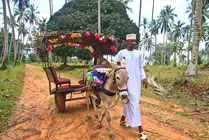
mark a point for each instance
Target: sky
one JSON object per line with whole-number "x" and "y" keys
{"x": 179, "y": 5}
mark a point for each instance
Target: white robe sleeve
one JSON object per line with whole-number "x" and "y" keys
{"x": 118, "y": 57}
{"x": 142, "y": 75}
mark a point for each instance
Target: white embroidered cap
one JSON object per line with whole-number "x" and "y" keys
{"x": 131, "y": 37}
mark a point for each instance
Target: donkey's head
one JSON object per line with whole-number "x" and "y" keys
{"x": 120, "y": 76}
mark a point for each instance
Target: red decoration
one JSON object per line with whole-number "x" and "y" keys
{"x": 113, "y": 48}
{"x": 97, "y": 36}
{"x": 49, "y": 48}
{"x": 104, "y": 41}
{"x": 87, "y": 34}
{"x": 82, "y": 46}
{"x": 92, "y": 54}
{"x": 76, "y": 45}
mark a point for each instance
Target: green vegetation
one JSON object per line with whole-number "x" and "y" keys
{"x": 11, "y": 84}
{"x": 184, "y": 90}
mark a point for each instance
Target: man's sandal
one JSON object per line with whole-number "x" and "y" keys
{"x": 124, "y": 124}
{"x": 142, "y": 136}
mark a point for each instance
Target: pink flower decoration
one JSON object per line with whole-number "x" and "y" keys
{"x": 49, "y": 48}
{"x": 76, "y": 45}
{"x": 104, "y": 41}
{"x": 92, "y": 54}
{"x": 113, "y": 48}
{"x": 97, "y": 36}
{"x": 87, "y": 34}
{"x": 112, "y": 38}
{"x": 82, "y": 46}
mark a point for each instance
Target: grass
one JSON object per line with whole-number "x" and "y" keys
{"x": 168, "y": 76}
{"x": 11, "y": 85}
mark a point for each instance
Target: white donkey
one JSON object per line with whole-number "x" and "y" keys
{"x": 116, "y": 82}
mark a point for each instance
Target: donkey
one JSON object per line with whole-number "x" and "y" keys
{"x": 116, "y": 82}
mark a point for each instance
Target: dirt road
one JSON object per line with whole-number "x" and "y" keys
{"x": 36, "y": 118}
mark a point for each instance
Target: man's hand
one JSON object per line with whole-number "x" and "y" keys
{"x": 144, "y": 82}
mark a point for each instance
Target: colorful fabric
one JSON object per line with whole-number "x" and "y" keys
{"x": 96, "y": 76}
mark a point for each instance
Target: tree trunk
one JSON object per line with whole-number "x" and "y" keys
{"x": 140, "y": 9}
{"x": 65, "y": 60}
{"x": 163, "y": 49}
{"x": 16, "y": 53}
{"x": 190, "y": 30}
{"x": 2, "y": 53}
{"x": 98, "y": 59}
{"x": 174, "y": 64}
{"x": 99, "y": 18}
{"x": 51, "y": 7}
{"x": 153, "y": 4}
{"x": 51, "y": 13}
{"x": 10, "y": 46}
{"x": 196, "y": 39}
{"x": 5, "y": 58}
{"x": 13, "y": 31}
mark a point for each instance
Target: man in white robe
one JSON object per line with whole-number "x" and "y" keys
{"x": 134, "y": 67}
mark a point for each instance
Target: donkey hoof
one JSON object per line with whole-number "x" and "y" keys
{"x": 96, "y": 115}
{"x": 89, "y": 117}
{"x": 99, "y": 126}
{"x": 112, "y": 136}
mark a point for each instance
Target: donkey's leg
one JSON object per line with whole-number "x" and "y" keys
{"x": 87, "y": 103}
{"x": 95, "y": 107}
{"x": 110, "y": 128}
{"x": 100, "y": 120}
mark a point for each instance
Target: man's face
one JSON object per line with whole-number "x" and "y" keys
{"x": 131, "y": 43}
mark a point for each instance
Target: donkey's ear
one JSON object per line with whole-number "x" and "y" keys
{"x": 124, "y": 61}
{"x": 118, "y": 62}
{"x": 111, "y": 65}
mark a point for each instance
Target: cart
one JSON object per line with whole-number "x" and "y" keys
{"x": 101, "y": 44}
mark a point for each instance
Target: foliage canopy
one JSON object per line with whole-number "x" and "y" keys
{"x": 82, "y": 15}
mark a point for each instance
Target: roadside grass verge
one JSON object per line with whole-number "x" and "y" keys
{"x": 181, "y": 121}
{"x": 192, "y": 93}
{"x": 11, "y": 84}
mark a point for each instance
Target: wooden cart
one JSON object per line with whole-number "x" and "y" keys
{"x": 63, "y": 86}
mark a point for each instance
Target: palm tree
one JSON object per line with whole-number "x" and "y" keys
{"x": 42, "y": 26}
{"x": 165, "y": 20}
{"x": 32, "y": 17}
{"x": 178, "y": 30}
{"x": 205, "y": 38}
{"x": 13, "y": 30}
{"x": 145, "y": 35}
{"x": 125, "y": 4}
{"x": 21, "y": 6}
{"x": 191, "y": 25}
{"x": 5, "y": 58}
{"x": 187, "y": 36}
{"x": 196, "y": 39}
{"x": 22, "y": 32}
{"x": 154, "y": 29}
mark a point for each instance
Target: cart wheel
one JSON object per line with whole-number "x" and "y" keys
{"x": 60, "y": 101}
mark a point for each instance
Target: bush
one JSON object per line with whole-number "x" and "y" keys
{"x": 178, "y": 78}
{"x": 146, "y": 69}
{"x": 32, "y": 58}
